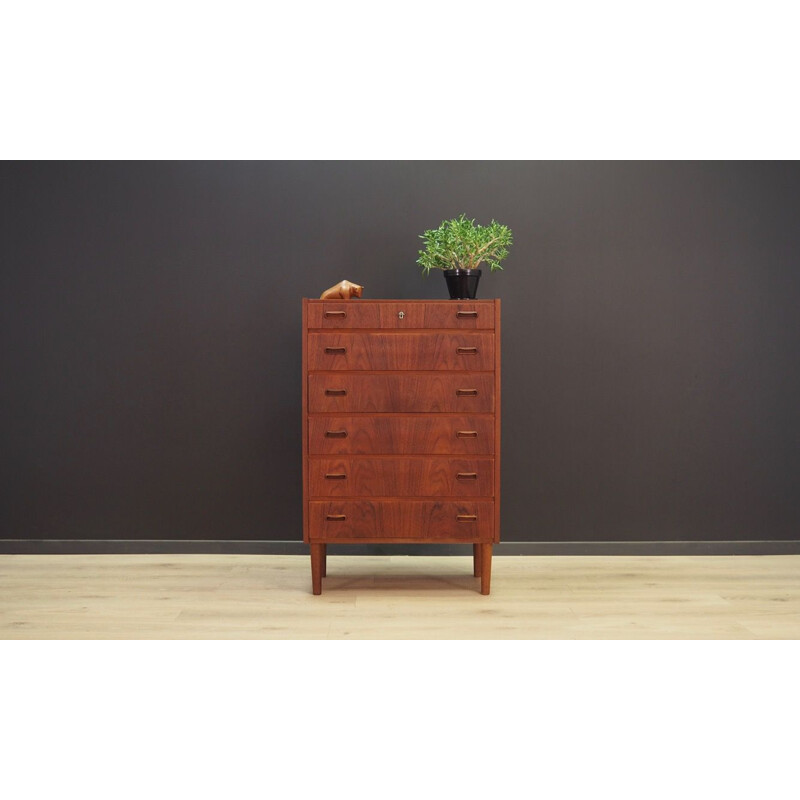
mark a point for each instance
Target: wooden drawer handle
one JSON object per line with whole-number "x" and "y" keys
{"x": 336, "y": 392}
{"x": 467, "y": 518}
{"x": 466, "y": 392}
{"x": 463, "y": 351}
{"x": 466, "y": 476}
{"x": 467, "y": 434}
{"x": 336, "y": 517}
{"x": 336, "y": 434}
{"x": 466, "y": 313}
{"x": 336, "y": 476}
{"x": 334, "y": 350}
{"x": 335, "y": 313}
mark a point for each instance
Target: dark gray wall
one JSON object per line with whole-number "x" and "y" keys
{"x": 150, "y": 337}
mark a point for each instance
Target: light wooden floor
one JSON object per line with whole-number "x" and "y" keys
{"x": 398, "y": 597}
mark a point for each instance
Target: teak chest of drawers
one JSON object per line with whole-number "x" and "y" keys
{"x": 401, "y": 425}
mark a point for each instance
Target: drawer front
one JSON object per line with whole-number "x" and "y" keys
{"x": 402, "y": 435}
{"x": 446, "y": 314}
{"x": 344, "y": 314}
{"x": 401, "y": 520}
{"x": 365, "y": 314}
{"x": 400, "y": 477}
{"x": 409, "y": 392}
{"x": 400, "y": 351}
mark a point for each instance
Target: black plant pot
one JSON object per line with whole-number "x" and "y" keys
{"x": 462, "y": 283}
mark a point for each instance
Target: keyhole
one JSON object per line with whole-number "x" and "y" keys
{"x": 401, "y": 314}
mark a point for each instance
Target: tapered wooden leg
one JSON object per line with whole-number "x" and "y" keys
{"x": 486, "y": 567}
{"x": 324, "y": 561}
{"x": 476, "y": 560}
{"x": 317, "y": 554}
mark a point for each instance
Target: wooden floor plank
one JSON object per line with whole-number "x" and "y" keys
{"x": 398, "y": 597}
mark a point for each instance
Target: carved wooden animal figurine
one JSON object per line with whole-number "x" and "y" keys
{"x": 342, "y": 291}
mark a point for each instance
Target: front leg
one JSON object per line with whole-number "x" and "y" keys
{"x": 486, "y": 567}
{"x": 317, "y": 555}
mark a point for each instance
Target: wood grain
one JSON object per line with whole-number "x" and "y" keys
{"x": 400, "y": 477}
{"x": 304, "y": 404}
{"x": 402, "y": 392}
{"x": 164, "y": 597}
{"x": 400, "y": 351}
{"x": 344, "y": 314}
{"x": 401, "y": 435}
{"x": 400, "y": 520}
{"x": 466, "y": 315}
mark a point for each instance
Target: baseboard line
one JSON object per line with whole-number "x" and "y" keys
{"x": 221, "y": 546}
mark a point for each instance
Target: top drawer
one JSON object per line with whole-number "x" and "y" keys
{"x": 471, "y": 314}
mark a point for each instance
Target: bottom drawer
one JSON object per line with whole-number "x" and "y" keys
{"x": 401, "y": 520}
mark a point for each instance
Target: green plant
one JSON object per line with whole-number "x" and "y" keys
{"x": 461, "y": 244}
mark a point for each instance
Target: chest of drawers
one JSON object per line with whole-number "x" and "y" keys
{"x": 401, "y": 425}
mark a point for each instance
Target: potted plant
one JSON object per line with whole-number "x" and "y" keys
{"x": 458, "y": 246}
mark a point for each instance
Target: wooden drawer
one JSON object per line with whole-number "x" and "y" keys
{"x": 415, "y": 314}
{"x": 401, "y": 351}
{"x": 405, "y": 392}
{"x": 401, "y": 435}
{"x": 343, "y": 314}
{"x": 400, "y": 477}
{"x": 401, "y": 520}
